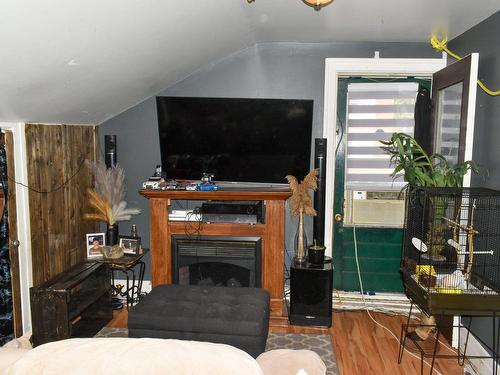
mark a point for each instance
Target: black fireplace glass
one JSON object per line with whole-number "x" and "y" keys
{"x": 214, "y": 274}
{"x": 216, "y": 261}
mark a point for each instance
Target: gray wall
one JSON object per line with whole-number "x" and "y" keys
{"x": 270, "y": 70}
{"x": 483, "y": 38}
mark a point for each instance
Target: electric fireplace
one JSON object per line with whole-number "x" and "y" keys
{"x": 216, "y": 260}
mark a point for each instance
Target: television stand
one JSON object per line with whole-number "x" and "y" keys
{"x": 271, "y": 231}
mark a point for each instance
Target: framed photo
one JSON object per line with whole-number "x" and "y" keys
{"x": 94, "y": 243}
{"x": 130, "y": 245}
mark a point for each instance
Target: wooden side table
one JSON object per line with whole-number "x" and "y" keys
{"x": 132, "y": 290}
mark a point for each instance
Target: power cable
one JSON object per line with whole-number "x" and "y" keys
{"x": 370, "y": 315}
{"x": 441, "y": 45}
{"x": 341, "y": 134}
{"x": 66, "y": 182}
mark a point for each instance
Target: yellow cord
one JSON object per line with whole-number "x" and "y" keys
{"x": 340, "y": 298}
{"x": 440, "y": 45}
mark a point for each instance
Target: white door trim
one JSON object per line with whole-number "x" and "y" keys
{"x": 23, "y": 219}
{"x": 471, "y": 114}
{"x": 337, "y": 68}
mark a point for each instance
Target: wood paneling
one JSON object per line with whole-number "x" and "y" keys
{"x": 272, "y": 233}
{"x": 58, "y": 180}
{"x": 14, "y": 250}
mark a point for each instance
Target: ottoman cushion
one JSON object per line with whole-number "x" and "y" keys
{"x": 291, "y": 362}
{"x": 233, "y": 316}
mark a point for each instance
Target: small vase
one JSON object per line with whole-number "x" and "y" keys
{"x": 112, "y": 235}
{"x": 300, "y": 242}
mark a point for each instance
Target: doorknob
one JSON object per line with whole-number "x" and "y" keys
{"x": 15, "y": 243}
{"x": 338, "y": 217}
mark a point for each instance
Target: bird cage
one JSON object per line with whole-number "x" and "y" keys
{"x": 451, "y": 250}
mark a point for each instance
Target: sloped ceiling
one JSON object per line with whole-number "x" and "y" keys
{"x": 85, "y": 61}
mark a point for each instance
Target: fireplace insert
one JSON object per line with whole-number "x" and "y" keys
{"x": 216, "y": 260}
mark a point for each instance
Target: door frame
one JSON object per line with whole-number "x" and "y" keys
{"x": 336, "y": 68}
{"x": 23, "y": 218}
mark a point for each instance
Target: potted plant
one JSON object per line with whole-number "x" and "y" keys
{"x": 107, "y": 198}
{"x": 300, "y": 205}
{"x": 422, "y": 170}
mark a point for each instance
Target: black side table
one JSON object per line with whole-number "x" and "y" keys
{"x": 311, "y": 294}
{"x": 132, "y": 291}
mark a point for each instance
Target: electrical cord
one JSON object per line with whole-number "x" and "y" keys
{"x": 341, "y": 134}
{"x": 441, "y": 45}
{"x": 193, "y": 224}
{"x": 368, "y": 312}
{"x": 66, "y": 182}
{"x": 287, "y": 271}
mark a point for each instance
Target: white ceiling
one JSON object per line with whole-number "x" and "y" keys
{"x": 64, "y": 61}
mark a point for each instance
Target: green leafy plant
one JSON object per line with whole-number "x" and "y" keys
{"x": 423, "y": 170}
{"x": 420, "y": 169}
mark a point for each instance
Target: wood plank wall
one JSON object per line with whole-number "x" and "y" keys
{"x": 55, "y": 155}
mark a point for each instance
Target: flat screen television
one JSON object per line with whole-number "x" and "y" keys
{"x": 238, "y": 140}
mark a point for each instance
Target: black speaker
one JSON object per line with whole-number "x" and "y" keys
{"x": 110, "y": 150}
{"x": 311, "y": 294}
{"x": 319, "y": 194}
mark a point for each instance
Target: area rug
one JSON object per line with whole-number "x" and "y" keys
{"x": 319, "y": 343}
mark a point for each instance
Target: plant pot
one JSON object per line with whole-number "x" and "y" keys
{"x": 316, "y": 254}
{"x": 112, "y": 235}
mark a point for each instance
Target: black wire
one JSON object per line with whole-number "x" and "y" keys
{"x": 79, "y": 168}
{"x": 341, "y": 133}
{"x": 192, "y": 229}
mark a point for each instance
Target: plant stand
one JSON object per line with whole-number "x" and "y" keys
{"x": 433, "y": 347}
{"x": 132, "y": 290}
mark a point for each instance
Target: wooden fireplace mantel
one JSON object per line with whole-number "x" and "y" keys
{"x": 272, "y": 233}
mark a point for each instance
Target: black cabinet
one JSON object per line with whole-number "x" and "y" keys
{"x": 76, "y": 303}
{"x": 311, "y": 294}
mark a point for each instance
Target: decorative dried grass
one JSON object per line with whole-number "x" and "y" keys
{"x": 300, "y": 201}
{"x": 107, "y": 197}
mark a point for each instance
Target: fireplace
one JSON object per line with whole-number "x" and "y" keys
{"x": 216, "y": 260}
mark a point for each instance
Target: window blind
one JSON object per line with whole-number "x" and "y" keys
{"x": 374, "y": 112}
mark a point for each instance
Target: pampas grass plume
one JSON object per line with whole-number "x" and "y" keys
{"x": 107, "y": 197}
{"x": 300, "y": 201}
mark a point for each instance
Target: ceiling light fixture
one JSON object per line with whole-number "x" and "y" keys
{"x": 316, "y": 4}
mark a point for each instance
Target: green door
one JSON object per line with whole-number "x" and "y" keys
{"x": 368, "y": 205}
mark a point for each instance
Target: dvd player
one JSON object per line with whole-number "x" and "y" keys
{"x": 249, "y": 212}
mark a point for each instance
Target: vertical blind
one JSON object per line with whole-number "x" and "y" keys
{"x": 375, "y": 111}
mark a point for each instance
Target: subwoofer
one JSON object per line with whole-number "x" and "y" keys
{"x": 319, "y": 194}
{"x": 311, "y": 294}
{"x": 110, "y": 150}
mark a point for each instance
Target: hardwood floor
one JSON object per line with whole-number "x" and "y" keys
{"x": 361, "y": 346}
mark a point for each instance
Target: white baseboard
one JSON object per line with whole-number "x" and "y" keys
{"x": 395, "y": 303}
{"x": 146, "y": 286}
{"x": 474, "y": 347}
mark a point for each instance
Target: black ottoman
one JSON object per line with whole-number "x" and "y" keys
{"x": 233, "y": 316}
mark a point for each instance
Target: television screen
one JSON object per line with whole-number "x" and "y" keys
{"x": 238, "y": 140}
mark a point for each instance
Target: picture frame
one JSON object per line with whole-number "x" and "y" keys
{"x": 94, "y": 242}
{"x": 130, "y": 245}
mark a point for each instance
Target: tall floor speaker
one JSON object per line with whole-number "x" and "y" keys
{"x": 311, "y": 294}
{"x": 110, "y": 150}
{"x": 319, "y": 194}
